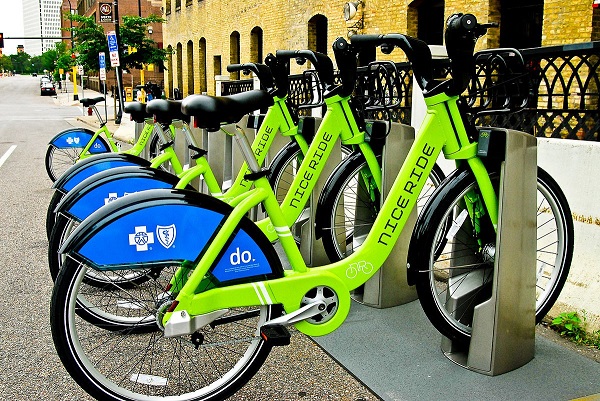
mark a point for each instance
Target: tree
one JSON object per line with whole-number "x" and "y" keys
{"x": 21, "y": 62}
{"x": 90, "y": 39}
{"x": 6, "y": 63}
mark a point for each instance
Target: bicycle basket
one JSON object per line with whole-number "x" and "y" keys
{"x": 378, "y": 87}
{"x": 305, "y": 90}
{"x": 501, "y": 83}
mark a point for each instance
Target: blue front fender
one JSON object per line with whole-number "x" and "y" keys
{"x": 162, "y": 227}
{"x": 107, "y": 186}
{"x": 95, "y": 164}
{"x": 78, "y": 138}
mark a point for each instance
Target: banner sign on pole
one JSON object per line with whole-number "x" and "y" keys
{"x": 113, "y": 48}
{"x": 106, "y": 12}
{"x": 102, "y": 61}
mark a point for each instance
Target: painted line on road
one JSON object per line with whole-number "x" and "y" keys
{"x": 7, "y": 154}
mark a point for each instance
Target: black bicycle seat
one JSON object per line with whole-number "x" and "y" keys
{"x": 137, "y": 111}
{"x": 211, "y": 111}
{"x": 165, "y": 111}
{"x": 88, "y": 101}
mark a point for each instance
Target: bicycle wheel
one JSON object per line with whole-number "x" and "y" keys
{"x": 350, "y": 205}
{"x": 58, "y": 160}
{"x": 443, "y": 264}
{"x": 60, "y": 232}
{"x": 283, "y": 169}
{"x": 129, "y": 364}
{"x": 50, "y": 215}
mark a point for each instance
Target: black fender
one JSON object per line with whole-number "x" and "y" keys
{"x": 78, "y": 137}
{"x": 95, "y": 164}
{"x": 106, "y": 186}
{"x": 321, "y": 215}
{"x": 160, "y": 227}
{"x": 425, "y": 223}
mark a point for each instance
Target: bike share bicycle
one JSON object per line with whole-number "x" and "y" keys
{"x": 214, "y": 307}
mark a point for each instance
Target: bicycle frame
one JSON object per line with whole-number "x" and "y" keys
{"x": 442, "y": 130}
{"x": 338, "y": 123}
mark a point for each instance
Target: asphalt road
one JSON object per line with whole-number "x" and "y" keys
{"x": 31, "y": 369}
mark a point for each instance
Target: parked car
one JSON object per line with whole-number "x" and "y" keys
{"x": 48, "y": 88}
{"x": 34, "y": 74}
{"x": 44, "y": 79}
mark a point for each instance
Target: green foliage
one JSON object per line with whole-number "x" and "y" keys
{"x": 572, "y": 326}
{"x": 5, "y": 63}
{"x": 21, "y": 63}
{"x": 90, "y": 39}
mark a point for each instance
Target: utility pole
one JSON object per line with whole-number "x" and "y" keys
{"x": 118, "y": 70}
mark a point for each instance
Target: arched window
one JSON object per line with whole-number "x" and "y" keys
{"x": 190, "y": 67}
{"x": 179, "y": 56}
{"x": 234, "y": 52}
{"x": 202, "y": 64}
{"x": 256, "y": 45}
{"x": 317, "y": 34}
{"x": 429, "y": 16}
{"x": 521, "y": 23}
{"x": 170, "y": 70}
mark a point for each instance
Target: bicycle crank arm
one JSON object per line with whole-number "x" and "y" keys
{"x": 306, "y": 312}
{"x": 182, "y": 323}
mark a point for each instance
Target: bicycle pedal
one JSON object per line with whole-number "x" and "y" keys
{"x": 275, "y": 335}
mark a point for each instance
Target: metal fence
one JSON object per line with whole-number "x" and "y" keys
{"x": 554, "y": 93}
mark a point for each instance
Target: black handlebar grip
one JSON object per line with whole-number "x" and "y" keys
{"x": 462, "y": 31}
{"x": 321, "y": 62}
{"x": 262, "y": 72}
{"x": 279, "y": 70}
{"x": 346, "y": 60}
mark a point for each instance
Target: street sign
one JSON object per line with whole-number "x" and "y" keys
{"x": 113, "y": 47}
{"x": 102, "y": 61}
{"x": 80, "y": 70}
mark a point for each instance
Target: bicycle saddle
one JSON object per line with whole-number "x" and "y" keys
{"x": 88, "y": 101}
{"x": 165, "y": 111}
{"x": 137, "y": 111}
{"x": 211, "y": 111}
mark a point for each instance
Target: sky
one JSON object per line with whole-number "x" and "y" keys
{"x": 11, "y": 24}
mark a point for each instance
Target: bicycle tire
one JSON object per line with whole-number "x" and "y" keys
{"x": 58, "y": 160}
{"x": 50, "y": 215}
{"x": 431, "y": 264}
{"x": 228, "y": 355}
{"x": 62, "y": 229}
{"x": 283, "y": 169}
{"x": 347, "y": 197}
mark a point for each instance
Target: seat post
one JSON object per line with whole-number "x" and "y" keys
{"x": 242, "y": 141}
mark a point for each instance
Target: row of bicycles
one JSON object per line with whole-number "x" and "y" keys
{"x": 164, "y": 292}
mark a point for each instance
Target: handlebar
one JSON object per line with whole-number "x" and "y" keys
{"x": 262, "y": 72}
{"x": 320, "y": 61}
{"x": 462, "y": 33}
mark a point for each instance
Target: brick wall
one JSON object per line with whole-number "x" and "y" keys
{"x": 286, "y": 25}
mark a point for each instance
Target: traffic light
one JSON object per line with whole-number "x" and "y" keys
{"x": 1, "y": 40}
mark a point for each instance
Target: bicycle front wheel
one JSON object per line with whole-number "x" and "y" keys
{"x": 129, "y": 364}
{"x": 448, "y": 264}
{"x": 58, "y": 160}
{"x": 351, "y": 203}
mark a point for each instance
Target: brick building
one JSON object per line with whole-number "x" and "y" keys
{"x": 204, "y": 36}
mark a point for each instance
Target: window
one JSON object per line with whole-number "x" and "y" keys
{"x": 521, "y": 23}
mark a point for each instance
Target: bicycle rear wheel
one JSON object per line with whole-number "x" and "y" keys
{"x": 351, "y": 203}
{"x": 58, "y": 160}
{"x": 134, "y": 361}
{"x": 444, "y": 264}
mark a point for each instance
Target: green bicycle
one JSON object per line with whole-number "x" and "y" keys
{"x": 219, "y": 298}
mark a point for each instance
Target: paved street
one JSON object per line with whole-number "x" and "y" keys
{"x": 29, "y": 364}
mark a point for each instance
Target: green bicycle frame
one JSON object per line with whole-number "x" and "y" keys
{"x": 277, "y": 119}
{"x": 442, "y": 130}
{"x": 338, "y": 123}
